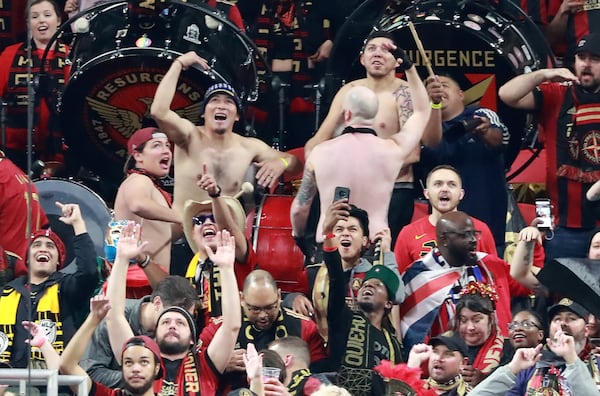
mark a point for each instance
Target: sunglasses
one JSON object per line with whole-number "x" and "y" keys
{"x": 201, "y": 219}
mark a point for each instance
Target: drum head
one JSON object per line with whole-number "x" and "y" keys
{"x": 118, "y": 63}
{"x": 93, "y": 210}
{"x": 479, "y": 45}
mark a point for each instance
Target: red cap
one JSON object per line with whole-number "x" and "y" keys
{"x": 142, "y": 136}
{"x": 60, "y": 246}
{"x": 148, "y": 343}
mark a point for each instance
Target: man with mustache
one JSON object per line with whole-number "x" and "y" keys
{"x": 433, "y": 283}
{"x": 568, "y": 113}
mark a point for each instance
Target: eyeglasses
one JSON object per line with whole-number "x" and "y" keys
{"x": 466, "y": 234}
{"x": 267, "y": 308}
{"x": 201, "y": 219}
{"x": 526, "y": 325}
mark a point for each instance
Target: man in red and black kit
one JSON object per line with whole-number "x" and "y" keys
{"x": 567, "y": 104}
{"x": 263, "y": 321}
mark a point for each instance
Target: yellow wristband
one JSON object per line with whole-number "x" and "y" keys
{"x": 436, "y": 106}
{"x": 285, "y": 162}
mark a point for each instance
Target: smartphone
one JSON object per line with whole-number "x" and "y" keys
{"x": 595, "y": 342}
{"x": 341, "y": 193}
{"x": 543, "y": 212}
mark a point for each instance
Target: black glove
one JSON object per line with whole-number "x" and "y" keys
{"x": 406, "y": 62}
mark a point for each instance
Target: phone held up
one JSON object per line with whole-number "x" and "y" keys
{"x": 341, "y": 193}
{"x": 543, "y": 212}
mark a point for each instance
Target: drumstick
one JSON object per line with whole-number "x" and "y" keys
{"x": 426, "y": 60}
{"x": 247, "y": 188}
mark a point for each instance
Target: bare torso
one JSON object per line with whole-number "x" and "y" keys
{"x": 365, "y": 163}
{"x": 157, "y": 232}
{"x": 395, "y": 106}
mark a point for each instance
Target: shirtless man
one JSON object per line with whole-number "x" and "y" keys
{"x": 395, "y": 106}
{"x": 359, "y": 159}
{"x": 141, "y": 197}
{"x": 226, "y": 154}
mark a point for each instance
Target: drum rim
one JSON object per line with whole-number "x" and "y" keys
{"x": 39, "y": 182}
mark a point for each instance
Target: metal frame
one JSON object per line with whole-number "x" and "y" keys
{"x": 49, "y": 378}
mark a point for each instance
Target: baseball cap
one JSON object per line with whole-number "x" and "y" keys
{"x": 589, "y": 43}
{"x": 221, "y": 88}
{"x": 567, "y": 304}
{"x": 142, "y": 136}
{"x": 148, "y": 343}
{"x": 453, "y": 342}
{"x": 387, "y": 276}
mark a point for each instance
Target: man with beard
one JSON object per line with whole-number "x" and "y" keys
{"x": 445, "y": 355}
{"x": 443, "y": 189}
{"x": 48, "y": 296}
{"x": 187, "y": 369}
{"x": 567, "y": 108}
{"x": 361, "y": 341}
{"x": 213, "y": 146}
{"x": 141, "y": 196}
{"x": 140, "y": 355}
{"x": 563, "y": 367}
{"x": 433, "y": 284}
{"x": 263, "y": 321}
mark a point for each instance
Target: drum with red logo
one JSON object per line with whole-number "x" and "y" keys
{"x": 120, "y": 51}
{"x": 480, "y": 43}
{"x": 270, "y": 231}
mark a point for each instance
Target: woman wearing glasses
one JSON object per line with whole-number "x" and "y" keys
{"x": 525, "y": 330}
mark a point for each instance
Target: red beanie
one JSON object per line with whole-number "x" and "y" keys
{"x": 60, "y": 246}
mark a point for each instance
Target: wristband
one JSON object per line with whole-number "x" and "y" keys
{"x": 331, "y": 235}
{"x": 285, "y": 162}
{"x": 329, "y": 248}
{"x": 217, "y": 194}
{"x": 144, "y": 263}
{"x": 40, "y": 342}
{"x": 436, "y": 106}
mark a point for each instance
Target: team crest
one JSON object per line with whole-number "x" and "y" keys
{"x": 3, "y": 342}
{"x": 356, "y": 283}
{"x": 49, "y": 329}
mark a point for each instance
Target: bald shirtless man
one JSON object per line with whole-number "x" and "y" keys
{"x": 395, "y": 106}
{"x": 225, "y": 154}
{"x": 359, "y": 159}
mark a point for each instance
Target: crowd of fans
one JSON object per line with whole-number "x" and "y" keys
{"x": 180, "y": 303}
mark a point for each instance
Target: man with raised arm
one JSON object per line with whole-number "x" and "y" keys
{"x": 186, "y": 367}
{"x": 226, "y": 154}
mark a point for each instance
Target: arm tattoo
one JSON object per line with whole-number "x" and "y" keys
{"x": 308, "y": 188}
{"x": 404, "y": 104}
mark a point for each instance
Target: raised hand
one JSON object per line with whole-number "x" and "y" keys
{"x": 129, "y": 245}
{"x": 224, "y": 255}
{"x": 99, "y": 307}
{"x": 253, "y": 362}
{"x": 38, "y": 334}
{"x": 339, "y": 210}
{"x": 70, "y": 213}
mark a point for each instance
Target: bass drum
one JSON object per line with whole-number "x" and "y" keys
{"x": 118, "y": 57}
{"x": 93, "y": 210}
{"x": 270, "y": 231}
{"x": 479, "y": 44}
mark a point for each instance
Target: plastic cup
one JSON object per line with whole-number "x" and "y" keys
{"x": 271, "y": 372}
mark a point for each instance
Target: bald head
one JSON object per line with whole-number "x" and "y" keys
{"x": 361, "y": 105}
{"x": 452, "y": 221}
{"x": 259, "y": 278}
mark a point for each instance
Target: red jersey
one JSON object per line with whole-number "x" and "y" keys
{"x": 418, "y": 238}
{"x": 13, "y": 212}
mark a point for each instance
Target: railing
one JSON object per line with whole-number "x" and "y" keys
{"x": 48, "y": 378}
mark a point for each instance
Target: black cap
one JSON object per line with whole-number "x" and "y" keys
{"x": 188, "y": 317}
{"x": 590, "y": 44}
{"x": 567, "y": 304}
{"x": 221, "y": 88}
{"x": 452, "y": 342}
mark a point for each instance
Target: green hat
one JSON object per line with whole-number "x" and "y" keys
{"x": 387, "y": 276}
